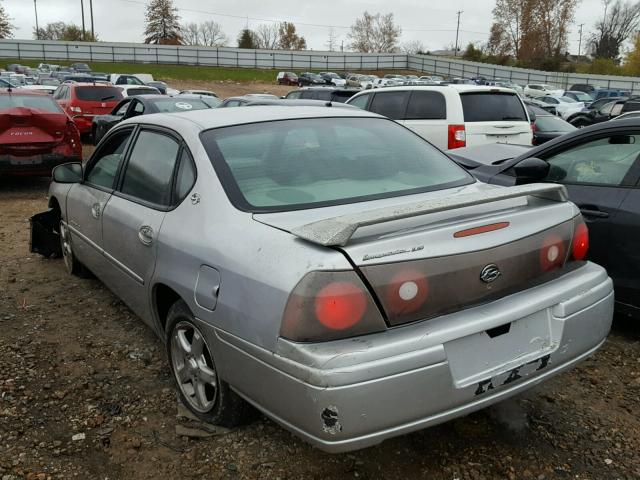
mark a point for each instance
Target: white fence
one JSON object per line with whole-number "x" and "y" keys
{"x": 293, "y": 60}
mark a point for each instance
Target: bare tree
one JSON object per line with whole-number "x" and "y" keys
{"x": 191, "y": 34}
{"x": 212, "y": 35}
{"x": 6, "y": 27}
{"x": 619, "y": 21}
{"x": 268, "y": 36}
{"x": 332, "y": 40}
{"x": 374, "y": 33}
{"x": 413, "y": 47}
{"x": 289, "y": 39}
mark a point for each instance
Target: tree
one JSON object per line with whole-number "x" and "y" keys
{"x": 211, "y": 34}
{"x": 162, "y": 23}
{"x": 68, "y": 32}
{"x": 413, "y": 47}
{"x": 191, "y": 34}
{"x": 375, "y": 33}
{"x": 632, "y": 63}
{"x": 247, "y": 39}
{"x": 268, "y": 35}
{"x": 288, "y": 39}
{"x": 473, "y": 53}
{"x": 6, "y": 27}
{"x": 619, "y": 21}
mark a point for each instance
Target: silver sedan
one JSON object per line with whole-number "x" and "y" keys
{"x": 328, "y": 267}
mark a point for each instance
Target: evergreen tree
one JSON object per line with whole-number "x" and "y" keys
{"x": 6, "y": 27}
{"x": 247, "y": 39}
{"x": 163, "y": 23}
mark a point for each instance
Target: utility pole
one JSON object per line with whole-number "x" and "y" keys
{"x": 35, "y": 7}
{"x": 93, "y": 33}
{"x": 455, "y": 53}
{"x": 84, "y": 34}
{"x": 580, "y": 41}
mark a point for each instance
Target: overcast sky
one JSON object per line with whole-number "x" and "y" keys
{"x": 433, "y": 23}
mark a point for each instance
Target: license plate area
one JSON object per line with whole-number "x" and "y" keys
{"x": 489, "y": 354}
{"x": 34, "y": 160}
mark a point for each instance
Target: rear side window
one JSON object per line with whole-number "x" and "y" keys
{"x": 426, "y": 106}
{"x": 98, "y": 94}
{"x": 389, "y": 104}
{"x": 492, "y": 107}
{"x": 150, "y": 168}
{"x": 360, "y": 101}
{"x": 293, "y": 95}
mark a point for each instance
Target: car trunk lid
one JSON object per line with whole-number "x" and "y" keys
{"x": 452, "y": 253}
{"x": 27, "y": 131}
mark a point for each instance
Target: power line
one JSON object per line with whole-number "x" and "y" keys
{"x": 258, "y": 19}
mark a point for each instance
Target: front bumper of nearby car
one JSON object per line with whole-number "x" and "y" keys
{"x": 354, "y": 393}
{"x": 33, "y": 165}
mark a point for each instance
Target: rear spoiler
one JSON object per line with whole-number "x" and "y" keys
{"x": 337, "y": 231}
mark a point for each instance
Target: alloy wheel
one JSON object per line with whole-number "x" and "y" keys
{"x": 193, "y": 367}
{"x": 65, "y": 245}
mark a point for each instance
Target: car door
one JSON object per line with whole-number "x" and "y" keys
{"x": 599, "y": 174}
{"x": 625, "y": 259}
{"x": 134, "y": 215}
{"x": 87, "y": 200}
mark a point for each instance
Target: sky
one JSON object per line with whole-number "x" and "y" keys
{"x": 431, "y": 22}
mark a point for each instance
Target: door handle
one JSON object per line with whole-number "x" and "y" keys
{"x": 593, "y": 212}
{"x": 145, "y": 235}
{"x": 96, "y": 210}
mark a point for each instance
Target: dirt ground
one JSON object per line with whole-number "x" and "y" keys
{"x": 85, "y": 392}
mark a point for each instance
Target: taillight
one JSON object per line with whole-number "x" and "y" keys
{"x": 580, "y": 244}
{"x": 75, "y": 109}
{"x": 407, "y": 291}
{"x": 330, "y": 306}
{"x": 457, "y": 137}
{"x": 553, "y": 253}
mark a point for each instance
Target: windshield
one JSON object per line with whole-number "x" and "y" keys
{"x": 37, "y": 102}
{"x": 492, "y": 107}
{"x": 304, "y": 163}
{"x": 98, "y": 94}
{"x": 179, "y": 104}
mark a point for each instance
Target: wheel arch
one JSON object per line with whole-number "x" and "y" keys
{"x": 163, "y": 297}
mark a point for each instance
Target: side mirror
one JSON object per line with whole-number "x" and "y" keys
{"x": 531, "y": 170}
{"x": 68, "y": 173}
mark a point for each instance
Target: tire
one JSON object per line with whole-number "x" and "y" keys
{"x": 94, "y": 135}
{"x": 71, "y": 263}
{"x": 191, "y": 361}
{"x": 300, "y": 84}
{"x": 580, "y": 123}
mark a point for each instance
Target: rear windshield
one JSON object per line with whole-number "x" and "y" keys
{"x": 141, "y": 91}
{"x": 38, "y": 102}
{"x": 98, "y": 94}
{"x": 492, "y": 107}
{"x": 304, "y": 163}
{"x": 551, "y": 123}
{"x": 179, "y": 104}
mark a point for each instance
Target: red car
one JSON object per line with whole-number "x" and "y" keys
{"x": 287, "y": 78}
{"x": 35, "y": 134}
{"x": 83, "y": 101}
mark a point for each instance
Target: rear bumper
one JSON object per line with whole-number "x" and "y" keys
{"x": 355, "y": 393}
{"x": 33, "y": 165}
{"x": 83, "y": 122}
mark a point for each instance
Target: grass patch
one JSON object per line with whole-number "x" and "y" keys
{"x": 170, "y": 72}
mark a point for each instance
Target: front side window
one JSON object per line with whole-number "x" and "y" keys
{"x": 102, "y": 172}
{"x": 605, "y": 161}
{"x": 389, "y": 104}
{"x": 150, "y": 168}
{"x": 304, "y": 163}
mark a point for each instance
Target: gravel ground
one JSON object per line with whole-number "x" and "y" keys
{"x": 85, "y": 392}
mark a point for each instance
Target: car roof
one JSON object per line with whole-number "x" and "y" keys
{"x": 460, "y": 88}
{"x": 88, "y": 84}
{"x": 216, "y": 118}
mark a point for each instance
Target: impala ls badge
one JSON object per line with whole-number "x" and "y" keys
{"x": 490, "y": 273}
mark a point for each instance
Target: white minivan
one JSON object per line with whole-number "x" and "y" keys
{"x": 453, "y": 116}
